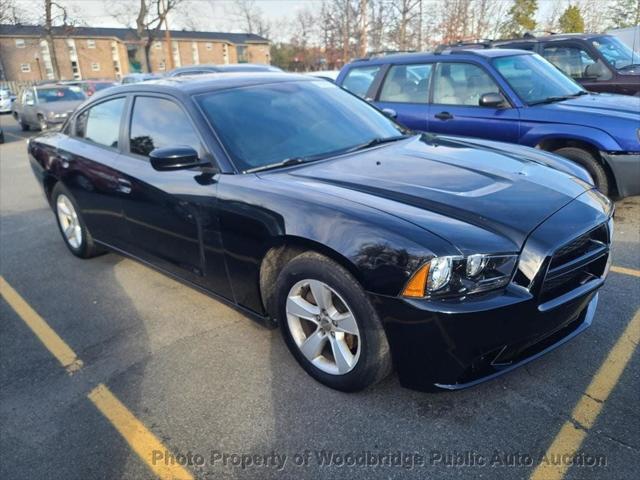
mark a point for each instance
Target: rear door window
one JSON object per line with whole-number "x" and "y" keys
{"x": 101, "y": 124}
{"x": 358, "y": 80}
{"x": 407, "y": 84}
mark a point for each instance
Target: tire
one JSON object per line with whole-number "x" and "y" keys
{"x": 590, "y": 163}
{"x": 42, "y": 123}
{"x": 23, "y": 126}
{"x": 85, "y": 247}
{"x": 368, "y": 350}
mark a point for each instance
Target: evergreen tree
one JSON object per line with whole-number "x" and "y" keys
{"x": 571, "y": 20}
{"x": 521, "y": 18}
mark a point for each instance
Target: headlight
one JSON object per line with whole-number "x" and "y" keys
{"x": 456, "y": 276}
{"x": 57, "y": 115}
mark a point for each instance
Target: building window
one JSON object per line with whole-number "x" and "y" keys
{"x": 95, "y": 67}
{"x": 157, "y": 45}
{"x": 242, "y": 53}
{"x": 195, "y": 56}
{"x": 162, "y": 66}
{"x": 209, "y": 46}
{"x": 20, "y": 43}
{"x": 91, "y": 43}
{"x": 25, "y": 68}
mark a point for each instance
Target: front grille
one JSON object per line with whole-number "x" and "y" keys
{"x": 579, "y": 261}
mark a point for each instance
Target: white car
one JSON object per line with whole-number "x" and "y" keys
{"x": 6, "y": 100}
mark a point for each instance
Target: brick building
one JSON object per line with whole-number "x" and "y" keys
{"x": 86, "y": 53}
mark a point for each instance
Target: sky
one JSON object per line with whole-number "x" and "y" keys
{"x": 212, "y": 15}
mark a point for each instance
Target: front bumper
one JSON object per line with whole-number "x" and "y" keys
{"x": 454, "y": 344}
{"x": 626, "y": 171}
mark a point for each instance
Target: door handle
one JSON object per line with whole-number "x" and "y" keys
{"x": 443, "y": 116}
{"x": 124, "y": 185}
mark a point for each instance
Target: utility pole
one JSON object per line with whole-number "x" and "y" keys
{"x": 167, "y": 36}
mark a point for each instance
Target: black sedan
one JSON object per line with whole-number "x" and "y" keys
{"x": 373, "y": 248}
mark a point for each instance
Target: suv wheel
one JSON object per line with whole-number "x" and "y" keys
{"x": 590, "y": 163}
{"x": 23, "y": 126}
{"x": 329, "y": 324}
{"x": 42, "y": 123}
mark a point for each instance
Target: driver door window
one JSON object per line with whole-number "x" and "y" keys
{"x": 158, "y": 123}
{"x": 462, "y": 84}
{"x": 576, "y": 62}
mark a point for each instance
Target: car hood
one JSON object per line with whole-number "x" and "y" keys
{"x": 596, "y": 105}
{"x": 445, "y": 185}
{"x": 59, "y": 107}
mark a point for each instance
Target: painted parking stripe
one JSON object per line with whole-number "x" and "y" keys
{"x": 573, "y": 432}
{"x": 626, "y": 271}
{"x": 139, "y": 438}
{"x": 49, "y": 338}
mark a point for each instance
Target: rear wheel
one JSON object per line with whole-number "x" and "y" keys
{"x": 587, "y": 160}
{"x": 329, "y": 324}
{"x": 72, "y": 227}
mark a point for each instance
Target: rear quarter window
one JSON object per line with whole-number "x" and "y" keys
{"x": 359, "y": 79}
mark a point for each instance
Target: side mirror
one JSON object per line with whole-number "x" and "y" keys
{"x": 174, "y": 158}
{"x": 390, "y": 112}
{"x": 493, "y": 100}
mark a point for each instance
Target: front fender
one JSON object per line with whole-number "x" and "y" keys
{"x": 533, "y": 134}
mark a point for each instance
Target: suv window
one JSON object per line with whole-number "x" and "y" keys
{"x": 358, "y": 80}
{"x": 574, "y": 61}
{"x": 158, "y": 123}
{"x": 406, "y": 83}
{"x": 101, "y": 124}
{"x": 461, "y": 84}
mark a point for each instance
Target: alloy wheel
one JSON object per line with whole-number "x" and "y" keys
{"x": 323, "y": 327}
{"x": 69, "y": 222}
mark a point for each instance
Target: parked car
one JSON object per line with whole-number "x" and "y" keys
{"x": 601, "y": 63}
{"x": 509, "y": 96}
{"x": 89, "y": 87}
{"x": 212, "y": 68}
{"x": 453, "y": 260}
{"x": 46, "y": 106}
{"x": 6, "y": 100}
{"x": 139, "y": 77}
{"x": 330, "y": 75}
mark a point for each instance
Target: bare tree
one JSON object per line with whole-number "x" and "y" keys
{"x": 54, "y": 13}
{"x": 405, "y": 16}
{"x": 150, "y": 18}
{"x": 11, "y": 13}
{"x": 250, "y": 17}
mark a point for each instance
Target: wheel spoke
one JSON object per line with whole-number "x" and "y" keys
{"x": 299, "y": 307}
{"x": 341, "y": 353}
{"x": 345, "y": 323}
{"x": 70, "y": 231}
{"x": 313, "y": 345}
{"x": 321, "y": 294}
{"x": 63, "y": 208}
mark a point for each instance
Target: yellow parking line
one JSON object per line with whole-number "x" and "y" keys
{"x": 585, "y": 413}
{"x": 50, "y": 339}
{"x": 139, "y": 438}
{"x": 626, "y": 271}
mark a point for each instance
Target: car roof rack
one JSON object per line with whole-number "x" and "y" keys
{"x": 464, "y": 45}
{"x": 382, "y": 53}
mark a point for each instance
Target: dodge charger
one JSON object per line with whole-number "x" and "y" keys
{"x": 375, "y": 249}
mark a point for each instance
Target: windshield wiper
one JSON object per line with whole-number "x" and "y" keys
{"x": 376, "y": 141}
{"x": 559, "y": 98}
{"x": 284, "y": 163}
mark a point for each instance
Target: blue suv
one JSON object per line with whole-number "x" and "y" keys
{"x": 508, "y": 96}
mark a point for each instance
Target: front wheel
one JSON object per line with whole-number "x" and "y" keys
{"x": 72, "y": 227}
{"x": 329, "y": 324}
{"x": 589, "y": 162}
{"x": 42, "y": 123}
{"x": 23, "y": 126}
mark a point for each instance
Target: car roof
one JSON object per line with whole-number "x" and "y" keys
{"x": 432, "y": 57}
{"x": 208, "y": 82}
{"x": 551, "y": 38}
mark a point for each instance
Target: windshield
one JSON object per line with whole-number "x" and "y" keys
{"x": 265, "y": 124}
{"x": 615, "y": 52}
{"x": 534, "y": 79}
{"x": 60, "y": 94}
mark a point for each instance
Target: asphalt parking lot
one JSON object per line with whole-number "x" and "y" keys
{"x": 160, "y": 375}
